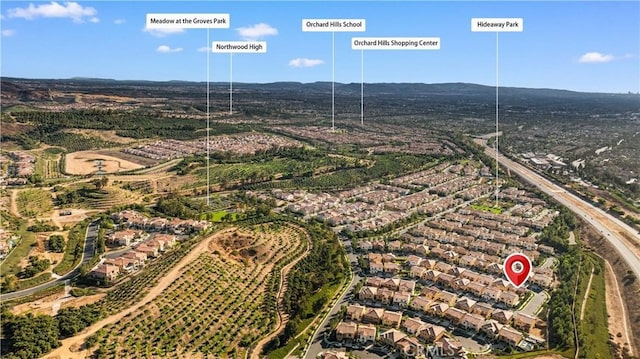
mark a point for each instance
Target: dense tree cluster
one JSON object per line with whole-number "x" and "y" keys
{"x": 34, "y": 267}
{"x": 324, "y": 265}
{"x": 56, "y": 243}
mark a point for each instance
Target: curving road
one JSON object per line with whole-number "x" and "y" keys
{"x": 91, "y": 235}
{"x": 624, "y": 239}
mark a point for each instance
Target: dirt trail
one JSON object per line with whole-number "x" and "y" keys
{"x": 586, "y": 295}
{"x": 283, "y": 318}
{"x": 64, "y": 352}
{"x": 618, "y": 321}
{"x": 14, "y": 203}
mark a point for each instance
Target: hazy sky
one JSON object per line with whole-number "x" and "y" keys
{"x": 578, "y": 45}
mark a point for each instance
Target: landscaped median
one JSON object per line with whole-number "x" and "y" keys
{"x": 73, "y": 248}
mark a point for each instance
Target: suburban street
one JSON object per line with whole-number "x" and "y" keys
{"x": 316, "y": 344}
{"x": 624, "y": 238}
{"x": 91, "y": 236}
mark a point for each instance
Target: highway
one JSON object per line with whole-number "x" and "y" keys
{"x": 624, "y": 239}
{"x": 91, "y": 236}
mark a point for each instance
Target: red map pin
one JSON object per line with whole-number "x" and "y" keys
{"x": 517, "y": 268}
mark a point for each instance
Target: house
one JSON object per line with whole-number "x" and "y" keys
{"x": 401, "y": 299}
{"x": 150, "y": 250}
{"x": 413, "y": 260}
{"x": 432, "y": 275}
{"x": 431, "y": 333}
{"x": 467, "y": 260}
{"x": 392, "y": 336}
{"x": 391, "y": 319}
{"x": 460, "y": 283}
{"x": 355, "y": 312}
{"x": 169, "y": 240}
{"x": 376, "y": 267}
{"x": 413, "y": 325}
{"x": 365, "y": 246}
{"x": 438, "y": 309}
{"x": 465, "y": 303}
{"x": 409, "y": 347}
{"x": 432, "y": 293}
{"x": 452, "y": 347}
{"x": 420, "y": 303}
{"x": 448, "y": 297}
{"x": 455, "y": 315}
{"x": 374, "y": 257}
{"x": 428, "y": 263}
{"x": 124, "y": 238}
{"x": 491, "y": 293}
{"x": 510, "y": 336}
{"x": 346, "y": 331}
{"x": 390, "y": 283}
{"x": 542, "y": 280}
{"x": 495, "y": 268}
{"x": 141, "y": 257}
{"x": 373, "y": 316}
{"x": 470, "y": 275}
{"x": 124, "y": 264}
{"x": 456, "y": 271}
{"x": 106, "y": 271}
{"x": 417, "y": 272}
{"x": 384, "y": 295}
{"x": 366, "y": 333}
{"x": 446, "y": 280}
{"x": 394, "y": 246}
{"x": 483, "y": 309}
{"x": 389, "y": 258}
{"x": 491, "y": 327}
{"x": 472, "y": 321}
{"x": 476, "y": 288}
{"x": 510, "y": 299}
{"x": 443, "y": 267}
{"x": 390, "y": 268}
{"x": 422, "y": 250}
{"x": 368, "y": 293}
{"x": 406, "y": 286}
{"x": 502, "y": 316}
{"x": 524, "y": 321}
{"x": 500, "y": 284}
{"x": 373, "y": 281}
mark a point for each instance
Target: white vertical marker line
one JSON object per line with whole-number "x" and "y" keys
{"x": 497, "y": 188}
{"x": 208, "y": 94}
{"x": 361, "y": 87}
{"x": 231, "y": 83}
{"x": 333, "y": 81}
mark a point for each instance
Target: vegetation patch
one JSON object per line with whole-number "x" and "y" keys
{"x": 34, "y": 203}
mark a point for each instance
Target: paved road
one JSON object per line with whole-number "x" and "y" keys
{"x": 316, "y": 344}
{"x": 620, "y": 235}
{"x": 91, "y": 236}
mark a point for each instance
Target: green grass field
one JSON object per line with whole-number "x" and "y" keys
{"x": 485, "y": 208}
{"x": 21, "y": 251}
{"x": 34, "y": 203}
{"x": 594, "y": 325}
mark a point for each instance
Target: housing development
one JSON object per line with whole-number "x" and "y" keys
{"x": 194, "y": 186}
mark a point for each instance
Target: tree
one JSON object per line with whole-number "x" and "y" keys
{"x": 31, "y": 336}
{"x": 56, "y": 243}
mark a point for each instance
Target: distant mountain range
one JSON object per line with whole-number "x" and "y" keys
{"x": 38, "y": 89}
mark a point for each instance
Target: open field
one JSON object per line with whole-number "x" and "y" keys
{"x": 593, "y": 318}
{"x": 221, "y": 305}
{"x": 105, "y": 135}
{"x": 86, "y": 162}
{"x": 34, "y": 203}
